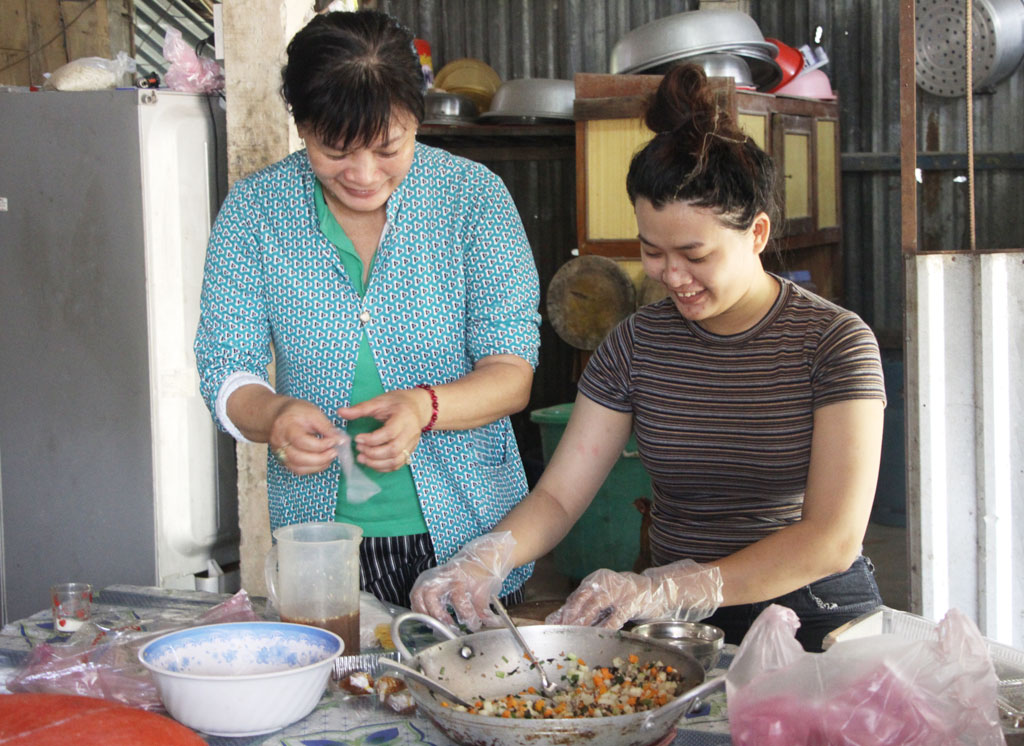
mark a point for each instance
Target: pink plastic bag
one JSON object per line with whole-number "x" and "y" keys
{"x": 882, "y": 690}
{"x": 188, "y": 71}
{"x": 108, "y": 667}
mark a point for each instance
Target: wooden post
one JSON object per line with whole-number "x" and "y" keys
{"x": 259, "y": 132}
{"x": 908, "y": 129}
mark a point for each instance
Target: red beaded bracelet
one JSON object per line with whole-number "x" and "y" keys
{"x": 433, "y": 406}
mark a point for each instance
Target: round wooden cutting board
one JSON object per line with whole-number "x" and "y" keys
{"x": 587, "y": 297}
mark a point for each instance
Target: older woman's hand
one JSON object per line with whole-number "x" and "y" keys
{"x": 391, "y": 446}
{"x": 302, "y": 438}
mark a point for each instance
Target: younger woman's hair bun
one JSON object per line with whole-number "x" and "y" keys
{"x": 699, "y": 154}
{"x": 684, "y": 101}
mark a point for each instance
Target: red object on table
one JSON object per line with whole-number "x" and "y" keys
{"x": 668, "y": 739}
{"x": 61, "y": 719}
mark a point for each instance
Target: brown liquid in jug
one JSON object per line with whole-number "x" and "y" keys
{"x": 346, "y": 627}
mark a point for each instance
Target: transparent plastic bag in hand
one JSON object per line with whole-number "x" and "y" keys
{"x": 358, "y": 487}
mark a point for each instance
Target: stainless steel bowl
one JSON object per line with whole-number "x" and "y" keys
{"x": 685, "y": 34}
{"x": 532, "y": 99}
{"x": 656, "y": 46}
{"x": 723, "y": 65}
{"x": 703, "y": 641}
{"x": 442, "y": 107}
{"x": 764, "y": 70}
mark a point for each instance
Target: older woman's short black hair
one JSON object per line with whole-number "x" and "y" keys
{"x": 347, "y": 75}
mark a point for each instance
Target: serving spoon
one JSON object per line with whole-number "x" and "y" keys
{"x": 549, "y": 689}
{"x": 428, "y": 682}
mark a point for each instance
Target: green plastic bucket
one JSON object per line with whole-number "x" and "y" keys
{"x": 608, "y": 532}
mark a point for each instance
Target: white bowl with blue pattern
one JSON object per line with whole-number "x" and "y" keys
{"x": 242, "y": 678}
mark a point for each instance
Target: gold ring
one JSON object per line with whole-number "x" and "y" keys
{"x": 408, "y": 456}
{"x": 281, "y": 454}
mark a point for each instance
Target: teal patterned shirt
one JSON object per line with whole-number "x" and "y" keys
{"x": 454, "y": 281}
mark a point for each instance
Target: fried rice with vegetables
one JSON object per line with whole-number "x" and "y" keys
{"x": 625, "y": 687}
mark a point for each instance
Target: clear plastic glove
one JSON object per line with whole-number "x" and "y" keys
{"x": 466, "y": 582}
{"x": 683, "y": 590}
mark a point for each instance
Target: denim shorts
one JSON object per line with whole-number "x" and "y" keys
{"x": 821, "y": 606}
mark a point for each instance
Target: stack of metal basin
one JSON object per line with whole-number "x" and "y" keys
{"x": 655, "y": 47}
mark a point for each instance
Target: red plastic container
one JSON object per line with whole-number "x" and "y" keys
{"x": 789, "y": 59}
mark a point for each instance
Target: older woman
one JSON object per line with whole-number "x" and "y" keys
{"x": 397, "y": 289}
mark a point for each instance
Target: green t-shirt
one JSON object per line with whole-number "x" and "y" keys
{"x": 395, "y": 510}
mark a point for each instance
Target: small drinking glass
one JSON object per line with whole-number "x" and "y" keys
{"x": 72, "y": 605}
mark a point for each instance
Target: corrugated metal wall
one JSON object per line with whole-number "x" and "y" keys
{"x": 557, "y": 38}
{"x": 153, "y": 18}
{"x": 861, "y": 40}
{"x": 529, "y": 38}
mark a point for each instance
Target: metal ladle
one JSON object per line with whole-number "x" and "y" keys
{"x": 428, "y": 682}
{"x": 549, "y": 689}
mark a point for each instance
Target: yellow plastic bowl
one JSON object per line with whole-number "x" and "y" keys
{"x": 469, "y": 77}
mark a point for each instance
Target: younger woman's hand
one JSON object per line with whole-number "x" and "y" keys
{"x": 466, "y": 582}
{"x": 681, "y": 590}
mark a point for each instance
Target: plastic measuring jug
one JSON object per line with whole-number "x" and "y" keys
{"x": 313, "y": 577}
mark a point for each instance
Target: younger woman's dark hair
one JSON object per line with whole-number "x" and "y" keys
{"x": 348, "y": 74}
{"x": 699, "y": 155}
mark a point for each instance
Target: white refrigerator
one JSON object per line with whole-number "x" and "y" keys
{"x": 111, "y": 470}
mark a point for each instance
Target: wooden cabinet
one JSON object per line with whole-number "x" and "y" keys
{"x": 801, "y": 134}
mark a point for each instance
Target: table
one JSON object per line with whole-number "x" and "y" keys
{"x": 339, "y": 718}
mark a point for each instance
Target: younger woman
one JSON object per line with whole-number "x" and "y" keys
{"x": 757, "y": 408}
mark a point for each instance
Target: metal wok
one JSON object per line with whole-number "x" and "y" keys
{"x": 490, "y": 664}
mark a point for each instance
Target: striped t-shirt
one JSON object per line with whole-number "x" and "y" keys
{"x": 724, "y": 423}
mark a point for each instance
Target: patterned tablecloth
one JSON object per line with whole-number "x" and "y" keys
{"x": 339, "y": 719}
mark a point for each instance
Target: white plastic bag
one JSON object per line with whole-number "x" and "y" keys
{"x": 90, "y": 73}
{"x": 883, "y": 690}
{"x": 188, "y": 71}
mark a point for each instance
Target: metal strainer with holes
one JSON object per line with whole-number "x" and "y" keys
{"x": 997, "y": 39}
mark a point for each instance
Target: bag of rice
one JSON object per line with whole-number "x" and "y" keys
{"x": 90, "y": 73}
